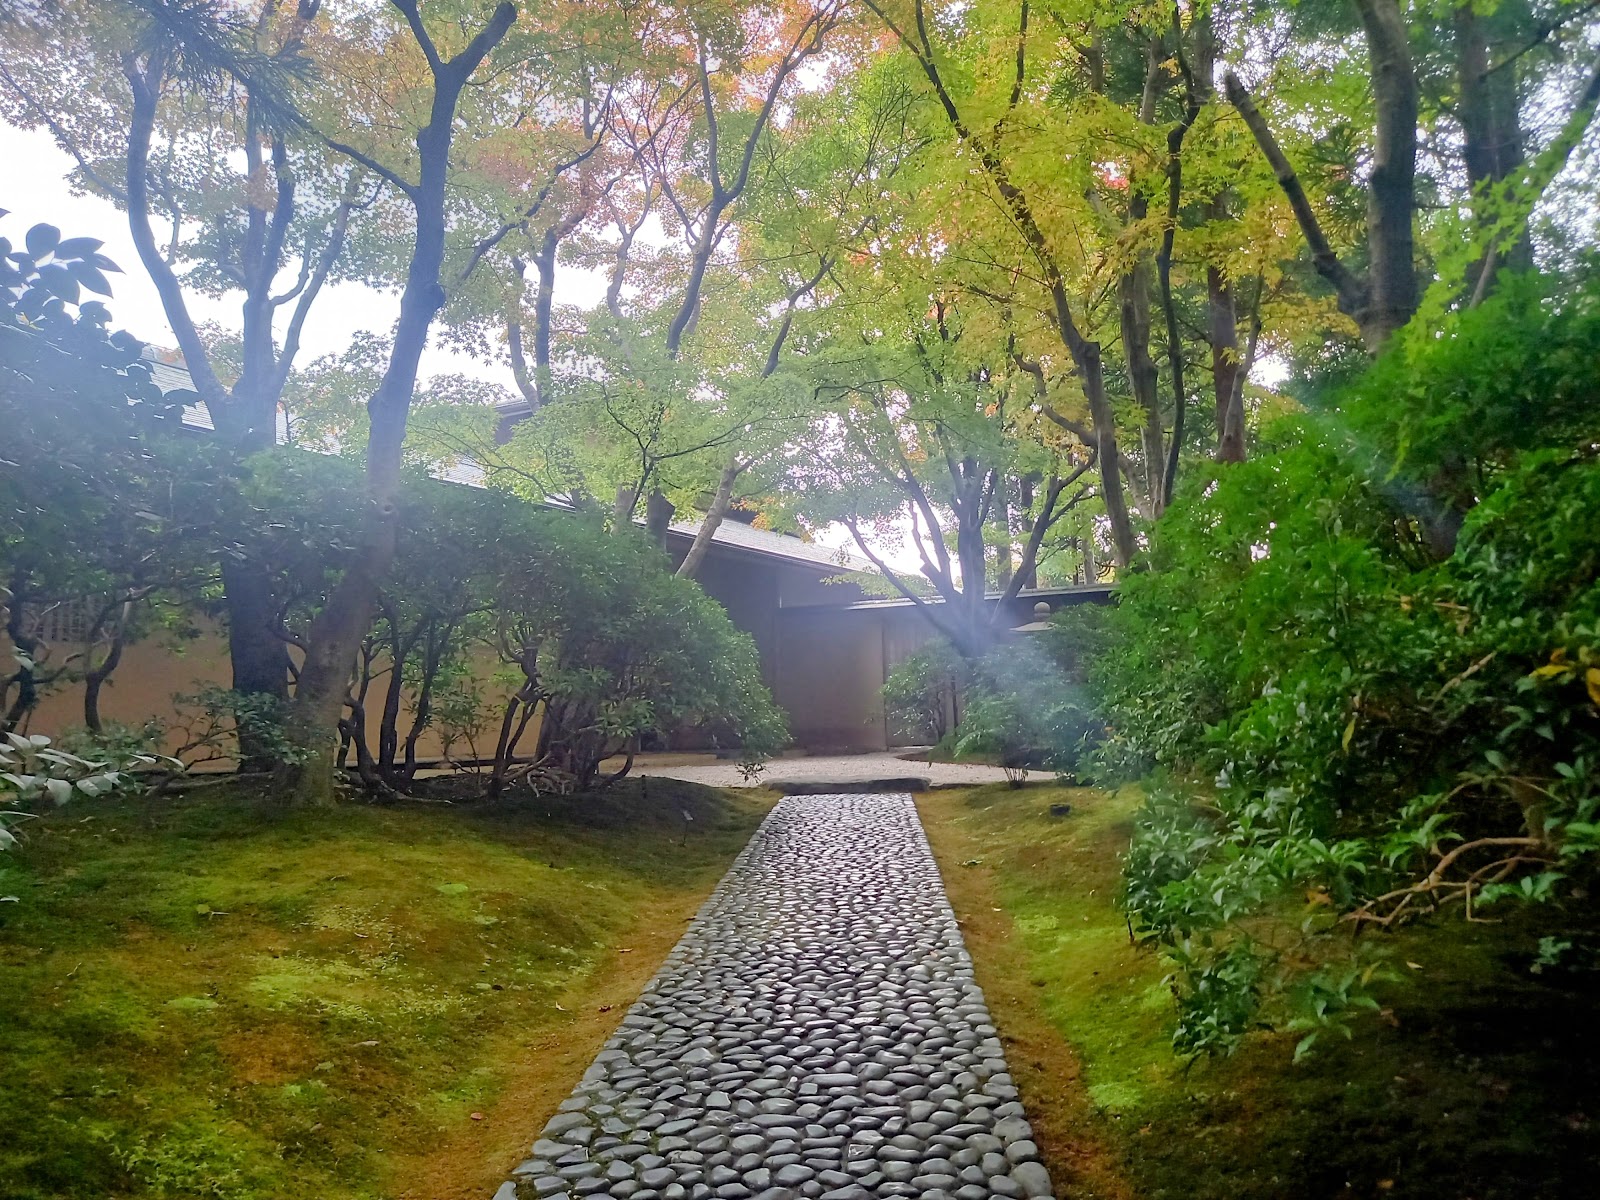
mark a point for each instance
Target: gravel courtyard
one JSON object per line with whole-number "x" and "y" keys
{"x": 816, "y": 1033}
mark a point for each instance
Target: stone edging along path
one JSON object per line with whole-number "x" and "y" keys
{"x": 816, "y": 1033}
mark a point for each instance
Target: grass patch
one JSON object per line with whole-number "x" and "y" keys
{"x": 207, "y": 997}
{"x": 1477, "y": 1082}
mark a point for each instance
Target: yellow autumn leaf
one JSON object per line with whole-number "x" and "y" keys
{"x": 1591, "y": 680}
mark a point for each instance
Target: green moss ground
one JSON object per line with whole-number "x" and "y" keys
{"x": 205, "y": 997}
{"x": 1480, "y": 1080}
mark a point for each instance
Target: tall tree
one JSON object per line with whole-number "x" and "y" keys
{"x": 669, "y": 410}
{"x": 1379, "y": 281}
{"x": 1383, "y": 298}
{"x": 178, "y": 110}
{"x": 338, "y": 629}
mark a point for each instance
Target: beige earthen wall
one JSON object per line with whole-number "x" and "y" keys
{"x": 829, "y": 673}
{"x": 154, "y": 671}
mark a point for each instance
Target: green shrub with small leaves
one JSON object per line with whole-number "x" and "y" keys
{"x": 1365, "y": 732}
{"x": 921, "y": 694}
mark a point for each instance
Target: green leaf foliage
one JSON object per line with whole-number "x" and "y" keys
{"x": 1355, "y": 731}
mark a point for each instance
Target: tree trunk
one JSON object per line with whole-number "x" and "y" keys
{"x": 689, "y": 568}
{"x": 1222, "y": 318}
{"x": 258, "y": 657}
{"x": 974, "y": 560}
{"x": 1004, "y": 564}
{"x": 25, "y": 678}
{"x": 1123, "y": 542}
{"x": 337, "y": 631}
{"x": 389, "y": 722}
{"x": 1030, "y": 569}
{"x": 658, "y": 514}
{"x": 423, "y": 714}
{"x": 544, "y": 262}
{"x": 1133, "y": 291}
{"x": 1492, "y": 142}
{"x": 94, "y": 680}
{"x": 1222, "y": 310}
{"x": 1391, "y": 190}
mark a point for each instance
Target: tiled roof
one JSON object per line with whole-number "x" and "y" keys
{"x": 738, "y": 535}
{"x": 169, "y": 377}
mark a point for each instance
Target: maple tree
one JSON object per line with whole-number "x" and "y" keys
{"x": 656, "y": 409}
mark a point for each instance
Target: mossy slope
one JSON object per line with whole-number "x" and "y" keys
{"x": 204, "y": 997}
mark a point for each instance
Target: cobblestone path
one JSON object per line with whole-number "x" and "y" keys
{"x": 816, "y": 1033}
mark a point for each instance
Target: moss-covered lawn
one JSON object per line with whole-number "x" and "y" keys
{"x": 204, "y": 997}
{"x": 1480, "y": 1080}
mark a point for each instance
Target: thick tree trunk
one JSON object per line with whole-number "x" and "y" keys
{"x": 339, "y": 628}
{"x": 658, "y": 514}
{"x": 974, "y": 560}
{"x": 259, "y": 658}
{"x": 1492, "y": 141}
{"x": 1392, "y": 294}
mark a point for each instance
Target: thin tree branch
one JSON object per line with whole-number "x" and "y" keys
{"x": 1350, "y": 290}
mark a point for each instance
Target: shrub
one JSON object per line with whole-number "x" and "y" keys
{"x": 33, "y": 768}
{"x": 922, "y": 693}
{"x": 1024, "y": 713}
{"x": 611, "y": 646}
{"x": 1380, "y": 733}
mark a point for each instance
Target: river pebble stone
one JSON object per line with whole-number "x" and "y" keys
{"x": 816, "y": 1034}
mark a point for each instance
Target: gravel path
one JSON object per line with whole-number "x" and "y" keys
{"x": 816, "y": 1033}
{"x": 842, "y": 769}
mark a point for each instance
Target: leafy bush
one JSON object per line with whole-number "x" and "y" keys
{"x": 1384, "y": 733}
{"x": 921, "y": 694}
{"x": 1023, "y": 712}
{"x": 103, "y": 503}
{"x": 33, "y": 768}
{"x": 611, "y": 646}
{"x": 215, "y": 722}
